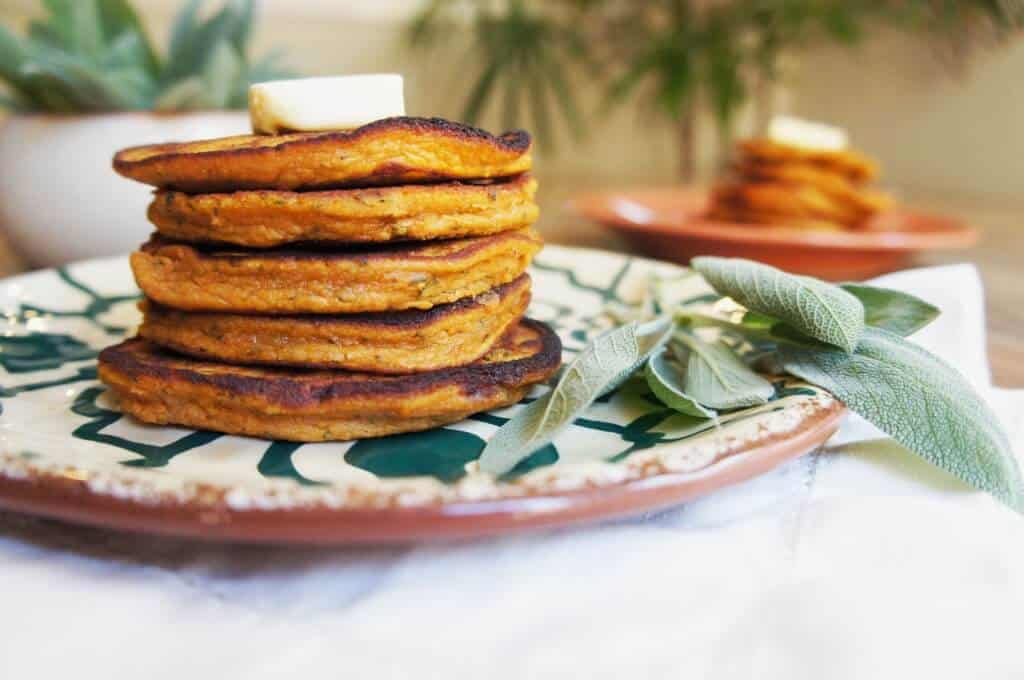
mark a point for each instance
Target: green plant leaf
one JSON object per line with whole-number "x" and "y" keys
{"x": 88, "y": 33}
{"x": 194, "y": 43}
{"x": 184, "y": 95}
{"x": 921, "y": 402}
{"x": 268, "y": 67}
{"x": 511, "y": 100}
{"x": 72, "y": 26}
{"x": 481, "y": 91}
{"x": 58, "y": 29}
{"x": 10, "y": 103}
{"x": 559, "y": 84}
{"x": 716, "y": 376}
{"x": 601, "y": 367}
{"x": 12, "y": 57}
{"x": 241, "y": 29}
{"x": 537, "y": 90}
{"x": 89, "y": 87}
{"x": 46, "y": 34}
{"x": 119, "y": 19}
{"x": 46, "y": 92}
{"x": 665, "y": 377}
{"x": 220, "y": 74}
{"x": 815, "y": 308}
{"x": 182, "y": 34}
{"x": 897, "y": 312}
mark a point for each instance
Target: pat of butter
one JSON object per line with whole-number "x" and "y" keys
{"x": 806, "y": 134}
{"x": 334, "y": 103}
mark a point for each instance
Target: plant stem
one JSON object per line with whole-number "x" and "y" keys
{"x": 764, "y": 101}
{"x": 686, "y": 128}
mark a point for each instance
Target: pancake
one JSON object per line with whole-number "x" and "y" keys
{"x": 448, "y": 335}
{"x": 386, "y": 278}
{"x": 774, "y": 200}
{"x": 266, "y": 219}
{"x": 850, "y": 164}
{"x": 729, "y": 213}
{"x": 159, "y": 387}
{"x": 388, "y": 151}
{"x": 865, "y": 201}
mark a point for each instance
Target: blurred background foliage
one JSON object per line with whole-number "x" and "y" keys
{"x": 673, "y": 55}
{"x": 88, "y": 56}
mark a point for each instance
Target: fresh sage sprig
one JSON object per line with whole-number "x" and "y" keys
{"x": 846, "y": 339}
{"x": 602, "y": 366}
{"x": 815, "y": 308}
{"x": 892, "y": 310}
{"x": 921, "y": 402}
{"x": 717, "y": 377}
{"x": 665, "y": 376}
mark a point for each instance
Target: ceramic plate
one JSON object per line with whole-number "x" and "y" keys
{"x": 670, "y": 223}
{"x": 66, "y": 452}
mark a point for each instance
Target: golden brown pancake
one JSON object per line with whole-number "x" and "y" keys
{"x": 850, "y": 164}
{"x": 387, "y": 277}
{"x": 159, "y": 387}
{"x": 865, "y": 202}
{"x": 385, "y": 152}
{"x": 266, "y": 219}
{"x": 730, "y": 213}
{"x": 448, "y": 335}
{"x": 767, "y": 201}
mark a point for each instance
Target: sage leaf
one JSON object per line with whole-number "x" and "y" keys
{"x": 665, "y": 378}
{"x": 921, "y": 402}
{"x": 671, "y": 292}
{"x": 815, "y": 308}
{"x": 604, "y": 364}
{"x": 896, "y": 312}
{"x": 717, "y": 377}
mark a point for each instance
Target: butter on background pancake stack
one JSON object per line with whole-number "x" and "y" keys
{"x": 334, "y": 285}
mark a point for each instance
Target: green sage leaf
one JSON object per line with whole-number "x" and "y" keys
{"x": 815, "y": 308}
{"x": 921, "y": 402}
{"x": 717, "y": 377}
{"x": 666, "y": 377}
{"x": 602, "y": 365}
{"x": 896, "y": 312}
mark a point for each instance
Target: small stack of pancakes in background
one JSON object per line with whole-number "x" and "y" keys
{"x": 788, "y": 186}
{"x": 334, "y": 285}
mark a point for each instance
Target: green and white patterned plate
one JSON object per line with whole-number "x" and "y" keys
{"x": 66, "y": 452}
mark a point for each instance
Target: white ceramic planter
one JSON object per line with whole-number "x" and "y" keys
{"x": 59, "y": 198}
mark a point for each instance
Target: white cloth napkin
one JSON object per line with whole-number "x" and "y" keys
{"x": 856, "y": 562}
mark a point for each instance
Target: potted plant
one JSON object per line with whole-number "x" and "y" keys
{"x": 680, "y": 57}
{"x": 85, "y": 82}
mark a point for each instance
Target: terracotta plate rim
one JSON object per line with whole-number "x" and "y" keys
{"x": 595, "y": 206}
{"x": 63, "y": 498}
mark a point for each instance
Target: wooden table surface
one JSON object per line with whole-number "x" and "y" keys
{"x": 999, "y": 256}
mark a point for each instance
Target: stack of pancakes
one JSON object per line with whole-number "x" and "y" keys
{"x": 336, "y": 285}
{"x": 780, "y": 184}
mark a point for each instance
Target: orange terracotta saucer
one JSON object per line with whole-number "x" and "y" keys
{"x": 670, "y": 223}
